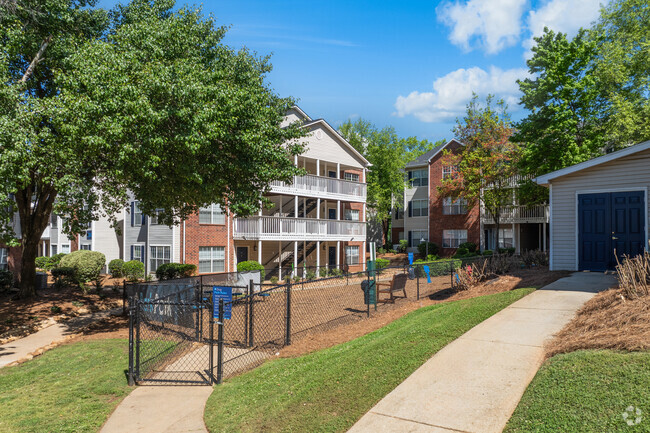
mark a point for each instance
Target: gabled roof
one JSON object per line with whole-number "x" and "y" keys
{"x": 547, "y": 178}
{"x": 302, "y": 113}
{"x": 426, "y": 158}
{"x": 340, "y": 137}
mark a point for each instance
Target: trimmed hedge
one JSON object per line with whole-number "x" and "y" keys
{"x": 133, "y": 270}
{"x": 381, "y": 264}
{"x": 437, "y": 268}
{"x": 116, "y": 268}
{"x": 171, "y": 271}
{"x": 86, "y": 264}
{"x": 41, "y": 262}
{"x": 251, "y": 265}
{"x": 422, "y": 249}
{"x": 6, "y": 279}
{"x": 64, "y": 276}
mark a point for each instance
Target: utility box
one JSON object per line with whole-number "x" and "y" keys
{"x": 41, "y": 280}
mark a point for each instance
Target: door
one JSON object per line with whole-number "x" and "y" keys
{"x": 242, "y": 254}
{"x": 331, "y": 259}
{"x": 331, "y": 214}
{"x": 609, "y": 224}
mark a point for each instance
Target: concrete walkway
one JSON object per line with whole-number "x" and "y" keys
{"x": 475, "y": 383}
{"x": 23, "y": 348}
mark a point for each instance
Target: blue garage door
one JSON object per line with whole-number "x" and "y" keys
{"x": 609, "y": 224}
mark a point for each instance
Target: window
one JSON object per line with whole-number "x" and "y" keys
{"x": 419, "y": 208}
{"x": 417, "y": 236}
{"x": 154, "y": 217}
{"x": 54, "y": 221}
{"x": 331, "y": 174}
{"x": 4, "y": 254}
{"x": 419, "y": 177}
{"x": 449, "y": 171}
{"x": 353, "y": 177}
{"x": 352, "y": 255}
{"x": 453, "y": 238}
{"x": 399, "y": 214}
{"x": 53, "y": 249}
{"x": 137, "y": 219}
{"x": 212, "y": 259}
{"x": 137, "y": 252}
{"x": 352, "y": 214}
{"x": 85, "y": 247}
{"x": 506, "y": 238}
{"x": 65, "y": 248}
{"x": 454, "y": 207}
{"x": 212, "y": 215}
{"x": 158, "y": 256}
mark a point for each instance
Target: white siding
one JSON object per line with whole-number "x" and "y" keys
{"x": 322, "y": 144}
{"x": 632, "y": 172}
{"x": 106, "y": 239}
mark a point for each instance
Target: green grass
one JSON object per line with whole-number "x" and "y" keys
{"x": 331, "y": 389}
{"x": 71, "y": 388}
{"x": 586, "y": 391}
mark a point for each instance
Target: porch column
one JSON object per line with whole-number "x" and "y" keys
{"x": 318, "y": 167}
{"x": 259, "y": 252}
{"x": 544, "y": 236}
{"x": 295, "y": 206}
{"x": 295, "y": 257}
{"x": 338, "y": 254}
{"x": 317, "y": 208}
{"x": 279, "y": 260}
{"x": 317, "y": 258}
{"x": 514, "y": 238}
{"x": 280, "y": 213}
{"x": 338, "y": 209}
{"x": 338, "y": 170}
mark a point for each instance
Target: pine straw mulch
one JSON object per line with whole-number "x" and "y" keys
{"x": 607, "y": 321}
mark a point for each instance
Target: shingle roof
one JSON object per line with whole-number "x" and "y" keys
{"x": 424, "y": 158}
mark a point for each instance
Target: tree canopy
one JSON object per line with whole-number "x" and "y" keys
{"x": 142, "y": 98}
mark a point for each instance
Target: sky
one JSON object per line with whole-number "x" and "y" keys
{"x": 412, "y": 65}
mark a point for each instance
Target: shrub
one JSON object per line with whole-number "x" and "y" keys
{"x": 381, "y": 264}
{"x": 334, "y": 272}
{"x": 296, "y": 278}
{"x": 508, "y": 251}
{"x": 41, "y": 262}
{"x": 432, "y": 249}
{"x": 311, "y": 275}
{"x": 55, "y": 309}
{"x": 86, "y": 264}
{"x": 470, "y": 246}
{"x": 287, "y": 278}
{"x": 322, "y": 272}
{"x": 54, "y": 261}
{"x": 461, "y": 252}
{"x": 116, "y": 268}
{"x": 403, "y": 244}
{"x": 251, "y": 265}
{"x": 64, "y": 276}
{"x": 170, "y": 271}
{"x": 274, "y": 280}
{"x": 534, "y": 258}
{"x": 487, "y": 252}
{"x": 6, "y": 279}
{"x": 133, "y": 270}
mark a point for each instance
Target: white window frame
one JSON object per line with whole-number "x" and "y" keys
{"x": 86, "y": 247}
{"x": 352, "y": 254}
{"x": 503, "y": 238}
{"x": 448, "y": 170}
{"x": 417, "y": 235}
{"x": 141, "y": 248}
{"x": 419, "y": 177}
{"x": 54, "y": 221}
{"x": 53, "y": 249}
{"x": 216, "y": 261}
{"x": 65, "y": 248}
{"x": 162, "y": 260}
{"x": 350, "y": 214}
{"x": 4, "y": 258}
{"x": 454, "y": 207}
{"x": 137, "y": 214}
{"x": 351, "y": 177}
{"x": 453, "y": 238}
{"x": 154, "y": 218}
{"x": 217, "y": 215}
{"x": 422, "y": 208}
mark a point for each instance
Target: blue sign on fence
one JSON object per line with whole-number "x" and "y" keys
{"x": 426, "y": 271}
{"x": 410, "y": 258}
{"x": 225, "y": 293}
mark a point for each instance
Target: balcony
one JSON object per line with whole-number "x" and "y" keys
{"x": 281, "y": 228}
{"x": 520, "y": 215}
{"x": 322, "y": 187}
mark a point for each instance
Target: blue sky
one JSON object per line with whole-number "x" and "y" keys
{"x": 412, "y": 65}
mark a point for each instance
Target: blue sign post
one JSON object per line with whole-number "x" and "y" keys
{"x": 426, "y": 271}
{"x": 225, "y": 293}
{"x": 410, "y": 258}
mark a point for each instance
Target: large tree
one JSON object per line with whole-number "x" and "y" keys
{"x": 484, "y": 169}
{"x": 388, "y": 154}
{"x": 143, "y": 99}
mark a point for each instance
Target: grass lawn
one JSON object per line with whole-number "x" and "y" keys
{"x": 71, "y": 388}
{"x": 331, "y": 389}
{"x": 586, "y": 391}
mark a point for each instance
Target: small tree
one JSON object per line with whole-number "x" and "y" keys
{"x": 484, "y": 170}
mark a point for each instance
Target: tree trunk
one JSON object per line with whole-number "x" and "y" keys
{"x": 28, "y": 269}
{"x": 385, "y": 226}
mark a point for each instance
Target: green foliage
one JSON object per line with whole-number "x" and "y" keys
{"x": 64, "y": 276}
{"x": 6, "y": 279}
{"x": 171, "y": 271}
{"x": 251, "y": 265}
{"x": 487, "y": 252}
{"x": 432, "y": 248}
{"x": 437, "y": 267}
{"x": 469, "y": 246}
{"x": 297, "y": 278}
{"x": 310, "y": 275}
{"x": 334, "y": 272}
{"x": 41, "y": 262}
{"x": 403, "y": 245}
{"x": 508, "y": 251}
{"x": 55, "y": 309}
{"x": 381, "y": 264}
{"x": 322, "y": 272}
{"x": 461, "y": 252}
{"x": 54, "y": 261}
{"x": 116, "y": 268}
{"x": 274, "y": 280}
{"x": 87, "y": 265}
{"x": 134, "y": 270}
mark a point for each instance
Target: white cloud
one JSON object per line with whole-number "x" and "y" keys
{"x": 452, "y": 92}
{"x": 491, "y": 24}
{"x": 561, "y": 16}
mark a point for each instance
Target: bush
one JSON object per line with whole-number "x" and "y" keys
{"x": 41, "y": 262}
{"x": 534, "y": 258}
{"x": 335, "y": 272}
{"x": 274, "y": 280}
{"x": 381, "y": 264}
{"x": 86, "y": 264}
{"x": 487, "y": 252}
{"x": 381, "y": 251}
{"x": 310, "y": 275}
{"x": 470, "y": 246}
{"x": 296, "y": 278}
{"x": 322, "y": 272}
{"x": 403, "y": 244}
{"x": 6, "y": 279}
{"x": 432, "y": 249}
{"x": 436, "y": 268}
{"x": 251, "y": 265}
{"x": 508, "y": 251}
{"x": 64, "y": 276}
{"x": 171, "y": 271}
{"x": 461, "y": 252}
{"x": 133, "y": 270}
{"x": 116, "y": 268}
{"x": 54, "y": 261}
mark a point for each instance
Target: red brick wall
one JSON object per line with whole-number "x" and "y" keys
{"x": 14, "y": 259}
{"x": 439, "y": 222}
{"x": 395, "y": 235}
{"x": 206, "y": 235}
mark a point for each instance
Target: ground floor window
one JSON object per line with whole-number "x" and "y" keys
{"x": 352, "y": 255}
{"x": 417, "y": 237}
{"x": 137, "y": 253}
{"x": 453, "y": 238}
{"x": 158, "y": 256}
{"x": 65, "y": 249}
{"x": 506, "y": 238}
{"x": 53, "y": 249}
{"x": 212, "y": 259}
{"x": 85, "y": 247}
{"x": 4, "y": 255}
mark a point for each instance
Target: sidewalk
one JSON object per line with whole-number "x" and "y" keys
{"x": 475, "y": 383}
{"x": 23, "y": 348}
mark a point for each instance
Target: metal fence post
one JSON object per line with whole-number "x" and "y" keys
{"x": 131, "y": 372}
{"x": 251, "y": 315}
{"x": 287, "y": 335}
{"x": 367, "y": 294}
{"x": 137, "y": 338}
{"x": 417, "y": 276}
{"x": 220, "y": 344}
{"x": 211, "y": 355}
{"x": 451, "y": 272}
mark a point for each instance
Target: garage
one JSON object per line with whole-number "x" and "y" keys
{"x": 599, "y": 210}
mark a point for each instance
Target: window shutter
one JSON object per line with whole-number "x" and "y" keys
{"x": 143, "y": 252}
{"x": 410, "y": 209}
{"x": 410, "y": 175}
{"x": 131, "y": 252}
{"x": 144, "y": 219}
{"x": 410, "y": 239}
{"x": 132, "y": 215}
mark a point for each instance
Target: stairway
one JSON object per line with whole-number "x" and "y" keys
{"x": 289, "y": 208}
{"x": 287, "y": 259}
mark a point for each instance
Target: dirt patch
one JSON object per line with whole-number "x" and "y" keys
{"x": 607, "y": 321}
{"x": 111, "y": 327}
{"x": 441, "y": 292}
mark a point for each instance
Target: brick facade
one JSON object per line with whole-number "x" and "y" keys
{"x": 437, "y": 220}
{"x": 195, "y": 235}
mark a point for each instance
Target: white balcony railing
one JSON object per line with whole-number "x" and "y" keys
{"x": 520, "y": 214}
{"x": 280, "y": 228}
{"x": 324, "y": 187}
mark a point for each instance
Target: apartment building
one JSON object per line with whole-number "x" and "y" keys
{"x": 426, "y": 215}
{"x": 318, "y": 220}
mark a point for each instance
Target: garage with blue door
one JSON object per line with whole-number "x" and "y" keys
{"x": 599, "y": 210}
